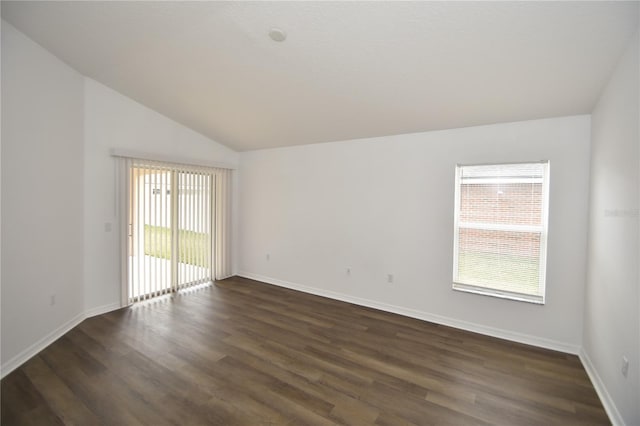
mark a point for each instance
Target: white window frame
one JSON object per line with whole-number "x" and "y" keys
{"x": 543, "y": 229}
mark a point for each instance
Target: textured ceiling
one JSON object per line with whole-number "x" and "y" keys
{"x": 347, "y": 69}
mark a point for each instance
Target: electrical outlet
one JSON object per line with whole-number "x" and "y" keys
{"x": 268, "y": 257}
{"x": 390, "y": 278}
{"x": 625, "y": 366}
{"x": 349, "y": 271}
{"x": 52, "y": 300}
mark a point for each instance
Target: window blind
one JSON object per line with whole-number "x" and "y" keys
{"x": 177, "y": 226}
{"x": 501, "y": 230}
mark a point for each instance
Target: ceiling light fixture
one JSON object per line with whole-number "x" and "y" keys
{"x": 277, "y": 34}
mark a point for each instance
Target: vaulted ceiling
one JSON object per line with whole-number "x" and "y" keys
{"x": 346, "y": 69}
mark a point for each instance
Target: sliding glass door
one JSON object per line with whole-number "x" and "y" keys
{"x": 170, "y": 228}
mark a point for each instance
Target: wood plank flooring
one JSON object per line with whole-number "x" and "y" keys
{"x": 246, "y": 353}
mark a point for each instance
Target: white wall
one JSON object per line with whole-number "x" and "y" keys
{"x": 612, "y": 315}
{"x": 115, "y": 121}
{"x": 58, "y": 191}
{"x": 42, "y": 130}
{"x": 1, "y": 375}
{"x": 385, "y": 205}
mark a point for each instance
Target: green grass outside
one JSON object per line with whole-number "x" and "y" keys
{"x": 510, "y": 273}
{"x": 192, "y": 245}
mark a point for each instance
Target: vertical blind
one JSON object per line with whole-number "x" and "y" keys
{"x": 222, "y": 260}
{"x": 501, "y": 230}
{"x": 177, "y": 226}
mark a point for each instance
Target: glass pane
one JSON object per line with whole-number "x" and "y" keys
{"x": 193, "y": 227}
{"x": 505, "y": 203}
{"x": 501, "y": 260}
{"x": 150, "y": 247}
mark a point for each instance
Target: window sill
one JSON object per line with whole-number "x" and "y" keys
{"x": 467, "y": 288}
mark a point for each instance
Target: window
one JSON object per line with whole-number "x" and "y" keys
{"x": 500, "y": 236}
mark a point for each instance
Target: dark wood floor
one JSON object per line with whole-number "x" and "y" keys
{"x": 243, "y": 352}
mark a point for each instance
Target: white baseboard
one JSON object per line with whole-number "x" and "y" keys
{"x": 31, "y": 351}
{"x": 15, "y": 362}
{"x": 607, "y": 401}
{"x": 102, "y": 310}
{"x": 601, "y": 390}
{"x": 425, "y": 316}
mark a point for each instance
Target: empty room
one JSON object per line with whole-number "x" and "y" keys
{"x": 360, "y": 213}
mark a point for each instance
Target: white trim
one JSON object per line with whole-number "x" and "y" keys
{"x": 506, "y": 180}
{"x": 608, "y": 403}
{"x": 529, "y": 229}
{"x": 123, "y": 177}
{"x": 501, "y": 164}
{"x": 456, "y": 222}
{"x": 544, "y": 236}
{"x": 31, "y": 351}
{"x": 425, "y": 316}
{"x": 99, "y": 310}
{"x": 127, "y": 153}
{"x": 493, "y": 292}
